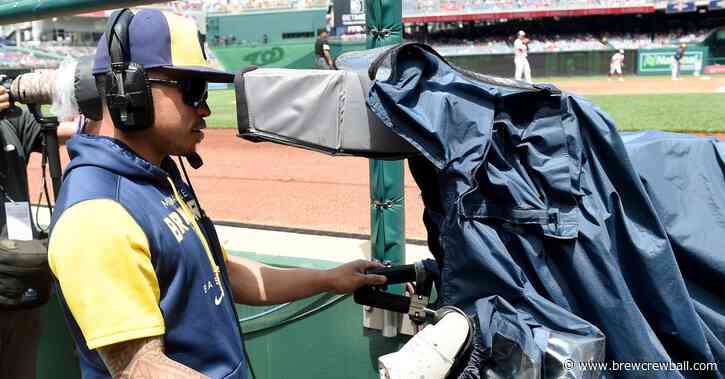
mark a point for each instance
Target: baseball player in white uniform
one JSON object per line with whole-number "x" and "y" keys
{"x": 521, "y": 62}
{"x": 677, "y": 61}
{"x": 615, "y": 66}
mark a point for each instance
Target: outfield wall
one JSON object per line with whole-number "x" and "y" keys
{"x": 659, "y": 61}
{"x": 587, "y": 63}
{"x": 300, "y": 55}
{"x": 571, "y": 63}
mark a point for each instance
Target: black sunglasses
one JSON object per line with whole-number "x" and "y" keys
{"x": 194, "y": 92}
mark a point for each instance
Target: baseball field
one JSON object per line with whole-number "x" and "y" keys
{"x": 280, "y": 187}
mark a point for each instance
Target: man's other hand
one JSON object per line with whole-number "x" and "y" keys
{"x": 351, "y": 276}
{"x": 4, "y": 99}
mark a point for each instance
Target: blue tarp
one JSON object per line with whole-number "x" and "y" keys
{"x": 553, "y": 233}
{"x": 684, "y": 177}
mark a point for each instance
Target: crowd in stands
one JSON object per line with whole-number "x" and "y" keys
{"x": 424, "y": 7}
{"x": 450, "y": 47}
{"x": 195, "y": 5}
{"x": 49, "y": 55}
{"x": 23, "y": 59}
{"x": 410, "y": 7}
{"x": 63, "y": 50}
{"x": 40, "y": 55}
{"x": 558, "y": 43}
{"x": 569, "y": 43}
{"x": 641, "y": 40}
{"x": 234, "y": 6}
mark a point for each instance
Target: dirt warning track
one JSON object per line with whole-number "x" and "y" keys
{"x": 280, "y": 186}
{"x": 643, "y": 85}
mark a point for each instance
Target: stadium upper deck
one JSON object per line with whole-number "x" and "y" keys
{"x": 424, "y": 11}
{"x": 561, "y": 43}
{"x": 234, "y": 6}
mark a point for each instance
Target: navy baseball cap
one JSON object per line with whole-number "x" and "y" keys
{"x": 164, "y": 40}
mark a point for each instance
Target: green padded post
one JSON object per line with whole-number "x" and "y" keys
{"x": 387, "y": 210}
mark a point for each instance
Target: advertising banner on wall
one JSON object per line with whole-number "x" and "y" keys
{"x": 349, "y": 17}
{"x": 714, "y": 5}
{"x": 681, "y": 6}
{"x": 659, "y": 61}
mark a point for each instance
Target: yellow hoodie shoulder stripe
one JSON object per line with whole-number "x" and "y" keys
{"x": 102, "y": 260}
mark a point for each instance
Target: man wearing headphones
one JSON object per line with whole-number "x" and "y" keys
{"x": 146, "y": 287}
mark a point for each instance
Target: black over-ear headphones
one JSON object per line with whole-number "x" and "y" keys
{"x": 128, "y": 94}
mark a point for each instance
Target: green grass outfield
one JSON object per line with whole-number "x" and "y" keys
{"x": 698, "y": 112}
{"x": 672, "y": 112}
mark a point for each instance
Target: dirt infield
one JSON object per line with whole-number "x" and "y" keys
{"x": 280, "y": 186}
{"x": 642, "y": 85}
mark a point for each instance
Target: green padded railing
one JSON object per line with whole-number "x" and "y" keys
{"x": 387, "y": 236}
{"x": 12, "y": 12}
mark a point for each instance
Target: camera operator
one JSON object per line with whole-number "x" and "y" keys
{"x": 147, "y": 289}
{"x": 24, "y": 277}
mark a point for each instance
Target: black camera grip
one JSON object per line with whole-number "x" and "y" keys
{"x": 383, "y": 300}
{"x": 395, "y": 274}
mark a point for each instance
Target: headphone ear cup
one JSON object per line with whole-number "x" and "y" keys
{"x": 138, "y": 92}
{"x": 129, "y": 99}
{"x": 115, "y": 101}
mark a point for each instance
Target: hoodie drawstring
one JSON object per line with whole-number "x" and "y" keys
{"x": 192, "y": 220}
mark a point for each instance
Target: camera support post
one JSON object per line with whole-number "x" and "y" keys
{"x": 51, "y": 148}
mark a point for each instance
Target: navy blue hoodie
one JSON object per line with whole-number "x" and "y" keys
{"x": 133, "y": 258}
